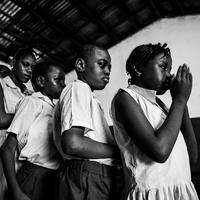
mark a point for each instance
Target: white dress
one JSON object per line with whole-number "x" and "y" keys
{"x": 146, "y": 179}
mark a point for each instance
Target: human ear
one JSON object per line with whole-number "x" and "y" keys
{"x": 80, "y": 65}
{"x": 138, "y": 72}
{"x": 40, "y": 81}
{"x": 12, "y": 62}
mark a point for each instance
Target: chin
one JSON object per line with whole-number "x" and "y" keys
{"x": 25, "y": 81}
{"x": 161, "y": 92}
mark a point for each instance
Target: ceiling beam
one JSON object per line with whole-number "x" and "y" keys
{"x": 128, "y": 14}
{"x": 177, "y": 5}
{"x": 153, "y": 8}
{"x": 94, "y": 19}
{"x": 49, "y": 23}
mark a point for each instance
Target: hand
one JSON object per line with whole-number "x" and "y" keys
{"x": 182, "y": 84}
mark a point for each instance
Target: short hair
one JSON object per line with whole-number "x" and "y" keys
{"x": 4, "y": 66}
{"x": 23, "y": 52}
{"x": 4, "y": 73}
{"x": 40, "y": 69}
{"x": 143, "y": 53}
{"x": 87, "y": 51}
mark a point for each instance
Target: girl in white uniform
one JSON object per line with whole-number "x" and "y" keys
{"x": 12, "y": 89}
{"x": 157, "y": 145}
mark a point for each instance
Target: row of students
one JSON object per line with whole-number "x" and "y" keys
{"x": 31, "y": 133}
{"x": 154, "y": 153}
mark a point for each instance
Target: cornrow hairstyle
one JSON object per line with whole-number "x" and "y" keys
{"x": 142, "y": 54}
{"x": 87, "y": 51}
{"x": 23, "y": 52}
{"x": 41, "y": 69}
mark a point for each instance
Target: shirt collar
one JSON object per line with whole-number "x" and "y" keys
{"x": 148, "y": 94}
{"x": 11, "y": 84}
{"x": 43, "y": 97}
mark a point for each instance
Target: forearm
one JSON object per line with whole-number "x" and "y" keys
{"x": 189, "y": 136}
{"x": 5, "y": 120}
{"x": 167, "y": 134}
{"x": 87, "y": 148}
{"x": 8, "y": 160}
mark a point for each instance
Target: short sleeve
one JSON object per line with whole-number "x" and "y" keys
{"x": 26, "y": 112}
{"x": 76, "y": 106}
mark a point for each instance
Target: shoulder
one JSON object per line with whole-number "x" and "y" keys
{"x": 123, "y": 96}
{"x": 77, "y": 89}
{"x": 30, "y": 101}
{"x": 7, "y": 82}
{"x": 123, "y": 93}
{"x": 3, "y": 82}
{"x": 125, "y": 99}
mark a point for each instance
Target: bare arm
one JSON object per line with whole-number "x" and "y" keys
{"x": 189, "y": 136}
{"x": 74, "y": 143}
{"x": 5, "y": 118}
{"x": 157, "y": 144}
{"x": 8, "y": 159}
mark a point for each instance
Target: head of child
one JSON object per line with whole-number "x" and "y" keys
{"x": 49, "y": 79}
{"x": 93, "y": 66}
{"x": 4, "y": 71}
{"x": 22, "y": 65}
{"x": 149, "y": 66}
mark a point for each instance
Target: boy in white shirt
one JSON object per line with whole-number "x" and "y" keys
{"x": 82, "y": 134}
{"x": 31, "y": 133}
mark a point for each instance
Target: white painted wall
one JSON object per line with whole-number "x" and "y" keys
{"x": 182, "y": 35}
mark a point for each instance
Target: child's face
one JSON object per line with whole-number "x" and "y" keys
{"x": 54, "y": 82}
{"x": 156, "y": 74}
{"x": 97, "y": 70}
{"x": 23, "y": 67}
{"x": 4, "y": 71}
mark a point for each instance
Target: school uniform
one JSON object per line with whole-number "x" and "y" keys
{"x": 32, "y": 125}
{"x": 83, "y": 178}
{"x": 11, "y": 96}
{"x": 145, "y": 178}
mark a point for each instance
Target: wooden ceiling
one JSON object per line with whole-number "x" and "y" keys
{"x": 57, "y": 28}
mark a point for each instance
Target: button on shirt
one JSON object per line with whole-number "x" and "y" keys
{"x": 32, "y": 124}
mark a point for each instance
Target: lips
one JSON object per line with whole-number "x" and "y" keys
{"x": 106, "y": 79}
{"x": 167, "y": 85}
{"x": 27, "y": 76}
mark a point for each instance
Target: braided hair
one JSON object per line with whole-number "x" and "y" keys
{"x": 141, "y": 55}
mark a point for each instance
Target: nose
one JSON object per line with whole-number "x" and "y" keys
{"x": 170, "y": 78}
{"x": 29, "y": 69}
{"x": 63, "y": 84}
{"x": 107, "y": 70}
{"x": 168, "y": 74}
